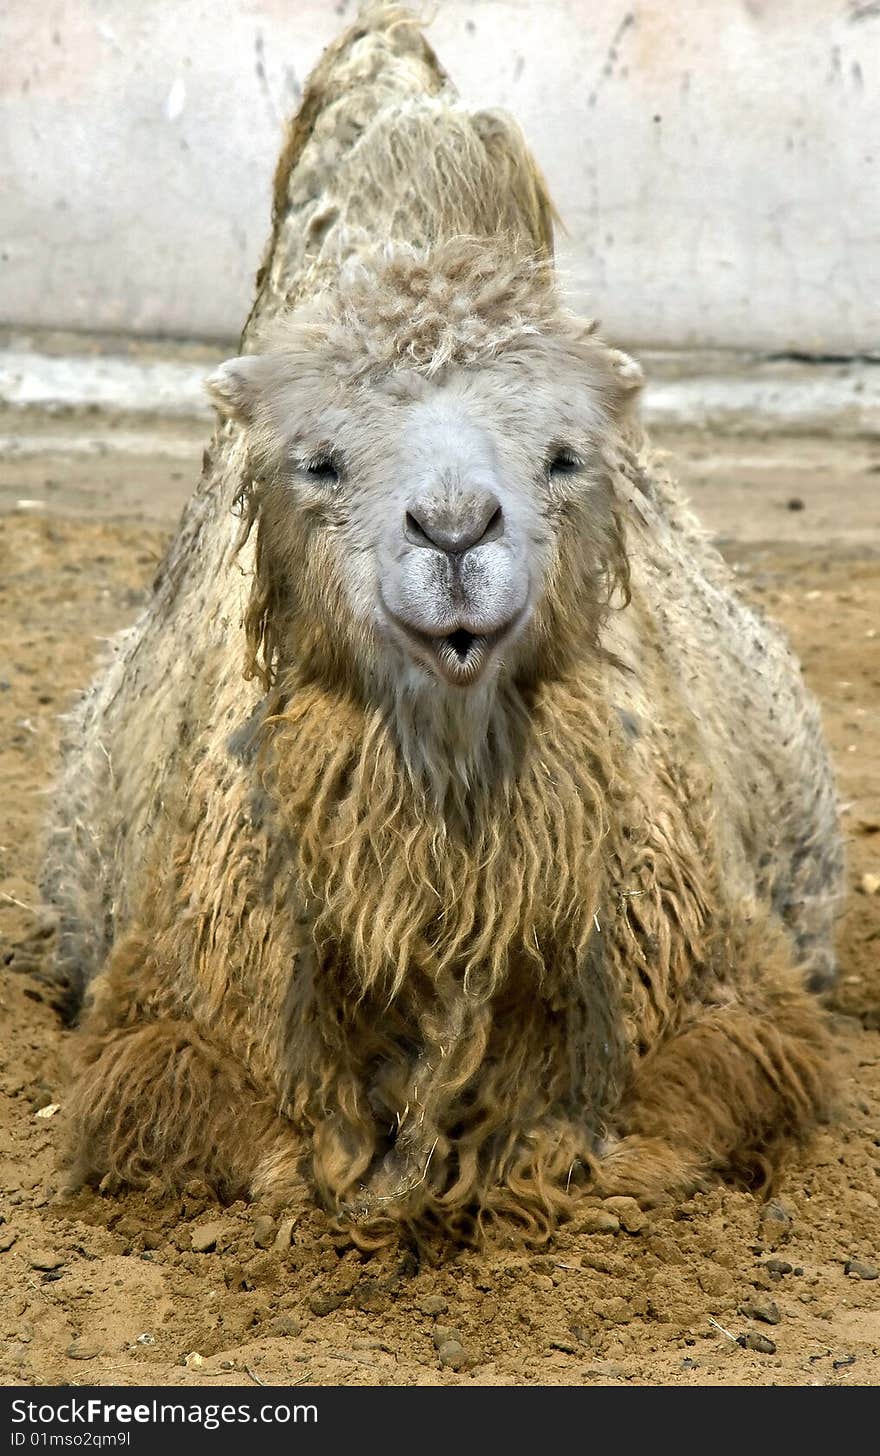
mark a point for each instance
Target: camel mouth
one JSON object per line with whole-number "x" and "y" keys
{"x": 460, "y": 656}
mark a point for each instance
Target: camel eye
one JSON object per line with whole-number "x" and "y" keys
{"x": 323, "y": 469}
{"x": 563, "y": 462}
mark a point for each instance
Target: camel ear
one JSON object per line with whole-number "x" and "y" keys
{"x": 234, "y": 386}
{"x": 618, "y": 376}
{"x": 627, "y": 378}
{"x": 628, "y": 372}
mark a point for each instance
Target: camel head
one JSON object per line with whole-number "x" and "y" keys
{"x": 428, "y": 439}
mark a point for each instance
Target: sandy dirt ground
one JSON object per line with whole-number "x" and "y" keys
{"x": 726, "y": 1289}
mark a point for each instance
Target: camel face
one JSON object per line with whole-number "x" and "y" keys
{"x": 427, "y": 517}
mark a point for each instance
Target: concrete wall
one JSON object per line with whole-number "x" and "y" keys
{"x": 717, "y": 162}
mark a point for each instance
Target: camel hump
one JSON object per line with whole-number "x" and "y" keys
{"x": 381, "y": 149}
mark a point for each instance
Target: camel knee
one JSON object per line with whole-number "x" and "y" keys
{"x": 157, "y": 1105}
{"x": 723, "y": 1091}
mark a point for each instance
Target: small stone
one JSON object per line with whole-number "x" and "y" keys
{"x": 542, "y": 1265}
{"x": 7, "y": 1239}
{"x": 628, "y": 1212}
{"x": 761, "y": 1309}
{"x": 543, "y": 1283}
{"x": 264, "y": 1231}
{"x": 84, "y": 1350}
{"x": 193, "y": 1360}
{"x": 286, "y": 1324}
{"x": 43, "y": 1259}
{"x": 127, "y": 1228}
{"x": 715, "y": 1281}
{"x": 761, "y": 1343}
{"x": 565, "y": 1346}
{"x": 49, "y": 1110}
{"x": 605, "y": 1370}
{"x": 778, "y": 1266}
{"x": 869, "y": 883}
{"x": 599, "y": 1221}
{"x": 453, "y": 1355}
{"x": 666, "y": 1250}
{"x": 774, "y": 1212}
{"x": 616, "y": 1310}
{"x": 205, "y": 1237}
{"x": 321, "y": 1304}
{"x": 370, "y": 1297}
{"x": 861, "y": 1269}
{"x": 775, "y": 1221}
{"x": 794, "y": 503}
{"x": 197, "y": 1191}
{"x": 596, "y": 1258}
{"x": 434, "y": 1304}
{"x": 443, "y": 1334}
{"x": 284, "y": 1236}
{"x": 146, "y": 1339}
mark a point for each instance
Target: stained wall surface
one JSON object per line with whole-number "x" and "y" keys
{"x": 716, "y": 162}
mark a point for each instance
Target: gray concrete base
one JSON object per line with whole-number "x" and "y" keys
{"x": 724, "y": 392}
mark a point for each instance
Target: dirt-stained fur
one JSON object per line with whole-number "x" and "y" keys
{"x": 441, "y": 955}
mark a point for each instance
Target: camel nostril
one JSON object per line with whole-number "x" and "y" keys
{"x": 416, "y": 532}
{"x": 493, "y": 525}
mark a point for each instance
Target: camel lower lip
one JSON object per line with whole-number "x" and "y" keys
{"x": 460, "y": 655}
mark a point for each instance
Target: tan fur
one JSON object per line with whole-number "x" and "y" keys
{"x": 440, "y": 958}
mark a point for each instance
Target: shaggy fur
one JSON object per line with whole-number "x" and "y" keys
{"x": 442, "y": 958}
